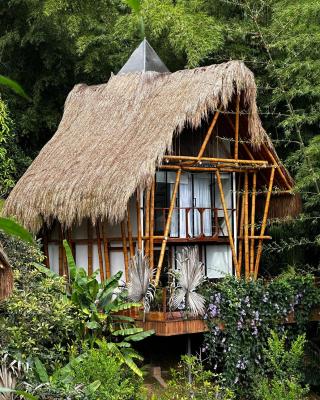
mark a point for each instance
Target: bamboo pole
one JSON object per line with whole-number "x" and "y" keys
{"x": 246, "y": 227}
{"x": 253, "y": 210}
{"x": 106, "y": 251}
{"x": 210, "y": 169}
{"x": 138, "y": 220}
{"x": 125, "y": 250}
{"x": 46, "y": 249}
{"x": 214, "y": 160}
{"x": 236, "y": 143}
{"x": 147, "y": 224}
{"x": 61, "y": 268}
{"x": 274, "y": 162}
{"x": 264, "y": 222}
{"x": 151, "y": 230}
{"x": 233, "y": 250}
{"x": 208, "y": 135}
{"x": 167, "y": 227}
{"x": 131, "y": 247}
{"x": 90, "y": 248}
{"x": 101, "y": 268}
{"x": 241, "y": 228}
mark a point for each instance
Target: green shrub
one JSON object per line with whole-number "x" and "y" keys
{"x": 191, "y": 380}
{"x": 279, "y": 390}
{"x": 36, "y": 320}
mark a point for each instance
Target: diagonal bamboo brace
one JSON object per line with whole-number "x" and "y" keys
{"x": 167, "y": 227}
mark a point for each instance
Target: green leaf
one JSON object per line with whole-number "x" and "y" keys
{"x": 11, "y": 227}
{"x": 128, "y": 331}
{"x": 122, "y": 306}
{"x": 131, "y": 364}
{"x": 26, "y": 395}
{"x": 71, "y": 263}
{"x": 90, "y": 389}
{"x": 13, "y": 85}
{"x": 139, "y": 336}
{"x": 92, "y": 325}
{"x": 41, "y": 371}
{"x": 135, "y": 5}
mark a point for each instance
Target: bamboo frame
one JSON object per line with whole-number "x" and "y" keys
{"x": 210, "y": 169}
{"x": 61, "y": 267}
{"x": 233, "y": 250}
{"x": 90, "y": 248}
{"x": 131, "y": 247}
{"x": 208, "y": 135}
{"x": 125, "y": 250}
{"x": 274, "y": 162}
{"x": 214, "y": 160}
{"x": 241, "y": 228}
{"x": 253, "y": 210}
{"x": 138, "y": 205}
{"x": 264, "y": 222}
{"x": 106, "y": 252}
{"x": 246, "y": 226}
{"x": 147, "y": 224}
{"x": 46, "y": 249}
{"x": 151, "y": 229}
{"x": 101, "y": 267}
{"x": 236, "y": 143}
{"x": 167, "y": 227}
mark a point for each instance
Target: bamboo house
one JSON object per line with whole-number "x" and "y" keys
{"x": 156, "y": 161}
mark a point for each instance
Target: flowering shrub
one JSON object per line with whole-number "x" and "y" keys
{"x": 241, "y": 314}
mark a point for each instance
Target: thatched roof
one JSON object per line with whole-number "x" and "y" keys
{"x": 113, "y": 135}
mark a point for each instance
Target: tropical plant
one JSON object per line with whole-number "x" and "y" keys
{"x": 190, "y": 276}
{"x": 10, "y": 373}
{"x": 191, "y": 381}
{"x": 100, "y": 303}
{"x": 140, "y": 286}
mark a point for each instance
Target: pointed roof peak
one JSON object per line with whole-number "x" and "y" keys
{"x": 144, "y": 58}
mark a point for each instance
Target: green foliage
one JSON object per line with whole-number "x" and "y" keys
{"x": 13, "y": 85}
{"x": 100, "y": 303}
{"x": 241, "y": 315}
{"x": 36, "y": 320}
{"x": 200, "y": 387}
{"x": 11, "y": 227}
{"x": 283, "y": 366}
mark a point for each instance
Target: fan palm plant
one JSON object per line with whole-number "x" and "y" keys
{"x": 189, "y": 277}
{"x": 140, "y": 287}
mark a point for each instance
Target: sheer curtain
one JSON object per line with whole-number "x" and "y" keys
{"x": 202, "y": 198}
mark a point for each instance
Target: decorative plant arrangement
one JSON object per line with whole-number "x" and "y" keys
{"x": 189, "y": 277}
{"x": 140, "y": 286}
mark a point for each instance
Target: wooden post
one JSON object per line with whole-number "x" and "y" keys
{"x": 274, "y": 162}
{"x": 264, "y": 222}
{"x": 246, "y": 227}
{"x": 99, "y": 251}
{"x": 147, "y": 224}
{"x": 151, "y": 229}
{"x": 125, "y": 250}
{"x": 241, "y": 238}
{"x": 61, "y": 269}
{"x": 208, "y": 135}
{"x": 131, "y": 247}
{"x": 138, "y": 219}
{"x": 90, "y": 248}
{"x": 46, "y": 248}
{"x": 253, "y": 210}
{"x": 236, "y": 143}
{"x": 233, "y": 250}
{"x": 106, "y": 251}
{"x": 167, "y": 227}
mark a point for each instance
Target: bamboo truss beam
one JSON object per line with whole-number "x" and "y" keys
{"x": 131, "y": 247}
{"x": 246, "y": 226}
{"x": 215, "y": 160}
{"x": 167, "y": 227}
{"x": 138, "y": 205}
{"x": 151, "y": 229}
{"x": 274, "y": 162}
{"x": 125, "y": 250}
{"x": 236, "y": 142}
{"x": 241, "y": 228}
{"x": 209, "y": 169}
{"x": 264, "y": 222}
{"x": 106, "y": 251}
{"x": 233, "y": 250}
{"x": 100, "y": 257}
{"x": 208, "y": 135}
{"x": 253, "y": 210}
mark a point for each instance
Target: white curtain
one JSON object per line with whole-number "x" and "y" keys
{"x": 202, "y": 198}
{"x": 218, "y": 260}
{"x": 227, "y": 190}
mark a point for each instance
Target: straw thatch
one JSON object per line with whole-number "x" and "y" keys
{"x": 113, "y": 135}
{"x": 6, "y": 275}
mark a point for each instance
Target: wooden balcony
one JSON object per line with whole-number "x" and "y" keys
{"x": 193, "y": 224}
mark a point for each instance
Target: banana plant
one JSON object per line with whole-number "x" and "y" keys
{"x": 100, "y": 303}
